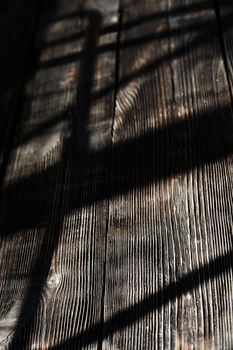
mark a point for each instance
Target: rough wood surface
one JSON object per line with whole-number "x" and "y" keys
{"x": 224, "y": 10}
{"x": 18, "y": 20}
{"x": 168, "y": 269}
{"x": 116, "y": 204}
{"x": 53, "y": 227}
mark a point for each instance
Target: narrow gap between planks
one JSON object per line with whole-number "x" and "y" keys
{"x": 117, "y": 65}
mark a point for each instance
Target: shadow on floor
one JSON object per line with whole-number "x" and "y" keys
{"x": 137, "y": 162}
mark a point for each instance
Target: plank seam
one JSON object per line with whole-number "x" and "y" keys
{"x": 116, "y": 88}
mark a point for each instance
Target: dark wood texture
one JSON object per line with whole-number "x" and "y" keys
{"x": 53, "y": 229}
{"x": 168, "y": 277}
{"x": 116, "y": 203}
{"x": 224, "y": 10}
{"x": 18, "y": 21}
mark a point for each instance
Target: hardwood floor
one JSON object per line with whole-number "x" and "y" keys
{"x": 116, "y": 174}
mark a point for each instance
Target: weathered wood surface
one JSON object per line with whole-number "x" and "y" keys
{"x": 116, "y": 204}
{"x": 53, "y": 229}
{"x": 225, "y": 17}
{"x": 18, "y": 20}
{"x": 170, "y": 227}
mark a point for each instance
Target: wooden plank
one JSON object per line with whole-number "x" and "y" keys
{"x": 27, "y": 219}
{"x": 53, "y": 228}
{"x": 224, "y": 9}
{"x": 18, "y": 20}
{"x": 169, "y": 251}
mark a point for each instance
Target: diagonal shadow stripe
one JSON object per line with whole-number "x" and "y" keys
{"x": 155, "y": 301}
{"x": 140, "y": 162}
{"x": 210, "y": 142}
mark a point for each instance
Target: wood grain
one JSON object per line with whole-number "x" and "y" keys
{"x": 52, "y": 249}
{"x": 169, "y": 251}
{"x": 27, "y": 229}
{"x": 116, "y": 205}
{"x": 224, "y": 10}
{"x": 18, "y": 20}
